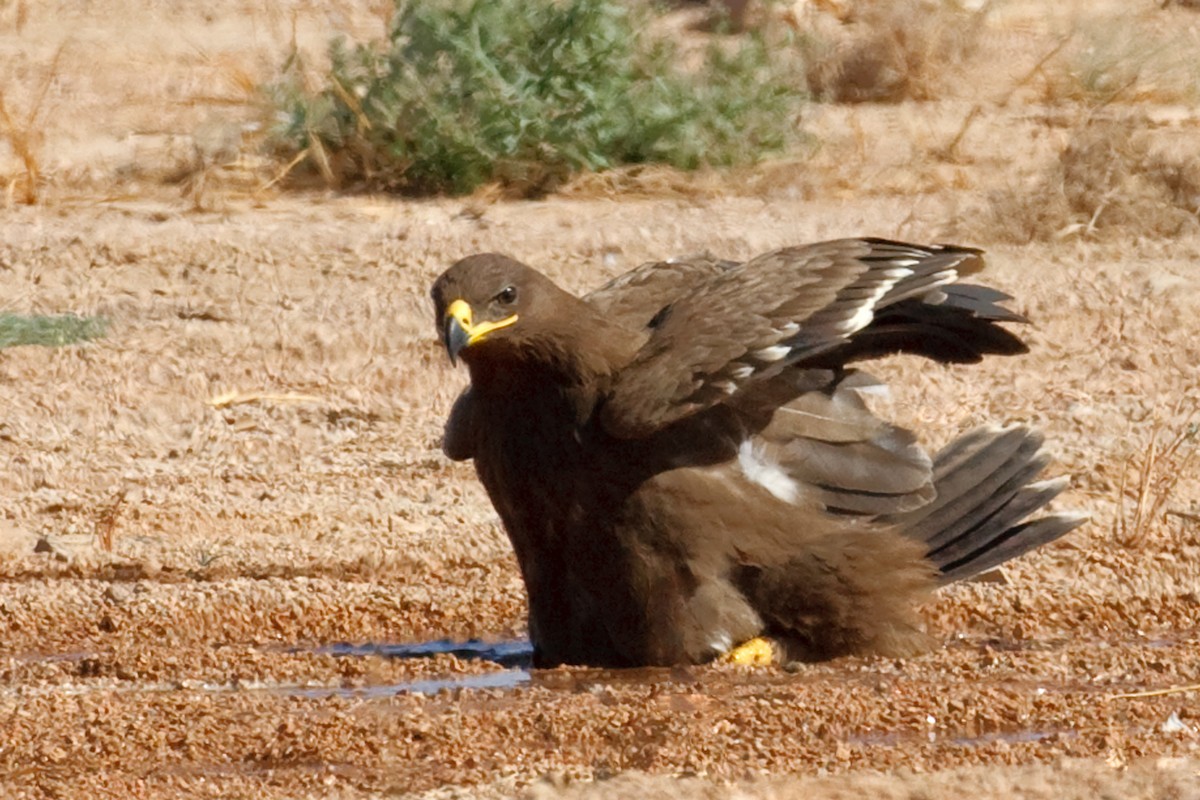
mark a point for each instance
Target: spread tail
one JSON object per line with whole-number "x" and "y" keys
{"x": 986, "y": 488}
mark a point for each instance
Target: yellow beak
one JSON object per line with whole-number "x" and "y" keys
{"x": 459, "y": 331}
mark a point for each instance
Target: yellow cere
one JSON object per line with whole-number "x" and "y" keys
{"x": 461, "y": 311}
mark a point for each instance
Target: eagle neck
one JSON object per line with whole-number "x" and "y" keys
{"x": 563, "y": 368}
{"x": 543, "y": 388}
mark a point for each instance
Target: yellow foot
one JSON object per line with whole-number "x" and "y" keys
{"x": 758, "y": 652}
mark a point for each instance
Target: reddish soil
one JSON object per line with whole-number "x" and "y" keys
{"x": 256, "y": 437}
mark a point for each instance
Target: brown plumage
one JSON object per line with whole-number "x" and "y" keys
{"x": 683, "y": 461}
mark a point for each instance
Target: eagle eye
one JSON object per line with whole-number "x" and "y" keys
{"x": 507, "y": 296}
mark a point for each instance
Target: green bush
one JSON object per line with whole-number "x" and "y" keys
{"x": 466, "y": 92}
{"x": 48, "y": 331}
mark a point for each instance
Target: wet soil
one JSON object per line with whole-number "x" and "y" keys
{"x": 234, "y": 563}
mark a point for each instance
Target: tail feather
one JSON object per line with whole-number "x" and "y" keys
{"x": 988, "y": 528}
{"x": 980, "y": 503}
{"x": 967, "y": 472}
{"x": 1016, "y": 541}
{"x": 986, "y": 488}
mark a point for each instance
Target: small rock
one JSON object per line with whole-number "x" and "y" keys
{"x": 996, "y": 576}
{"x": 65, "y": 547}
{"x": 16, "y": 541}
{"x": 118, "y": 593}
{"x": 44, "y": 545}
{"x": 55, "y": 502}
{"x": 1174, "y": 724}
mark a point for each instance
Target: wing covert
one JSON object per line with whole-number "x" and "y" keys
{"x": 635, "y": 298}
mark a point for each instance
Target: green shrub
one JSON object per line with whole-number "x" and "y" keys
{"x": 466, "y": 92}
{"x": 48, "y": 331}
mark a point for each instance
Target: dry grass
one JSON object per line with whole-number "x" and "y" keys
{"x": 908, "y": 50}
{"x": 1109, "y": 179}
{"x": 24, "y": 140}
{"x": 25, "y": 133}
{"x": 106, "y": 522}
{"x": 1138, "y": 59}
{"x": 1159, "y": 470}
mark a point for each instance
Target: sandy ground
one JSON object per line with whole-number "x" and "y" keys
{"x": 257, "y": 436}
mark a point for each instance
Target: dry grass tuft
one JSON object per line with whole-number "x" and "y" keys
{"x": 1108, "y": 179}
{"x": 1158, "y": 475}
{"x": 888, "y": 52}
{"x": 106, "y": 522}
{"x": 24, "y": 139}
{"x": 24, "y": 134}
{"x": 1134, "y": 61}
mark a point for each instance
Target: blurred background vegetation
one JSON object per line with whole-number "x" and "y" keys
{"x": 468, "y": 92}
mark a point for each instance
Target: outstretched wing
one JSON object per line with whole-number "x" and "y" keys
{"x": 746, "y": 323}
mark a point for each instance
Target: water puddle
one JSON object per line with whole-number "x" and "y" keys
{"x": 512, "y": 670}
{"x": 51, "y": 658}
{"x": 509, "y": 679}
{"x": 514, "y": 654}
{"x": 980, "y": 740}
{"x": 1012, "y": 737}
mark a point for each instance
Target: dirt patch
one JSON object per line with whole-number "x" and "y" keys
{"x": 245, "y": 470}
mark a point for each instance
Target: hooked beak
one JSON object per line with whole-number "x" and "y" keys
{"x": 459, "y": 332}
{"x": 455, "y": 337}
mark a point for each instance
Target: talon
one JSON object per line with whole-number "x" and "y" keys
{"x": 758, "y": 652}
